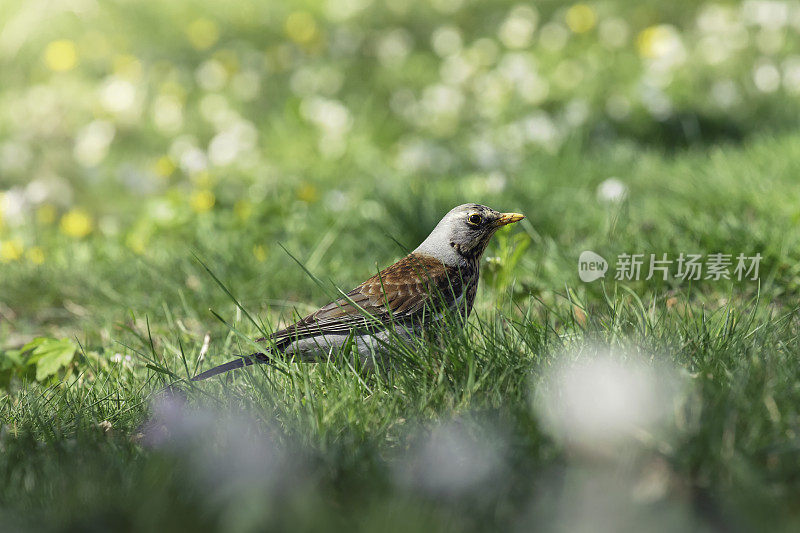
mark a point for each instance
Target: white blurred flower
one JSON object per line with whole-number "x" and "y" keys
{"x": 517, "y": 29}
{"x": 618, "y": 107}
{"x": 92, "y": 142}
{"x": 246, "y": 85}
{"x": 337, "y": 200}
{"x": 415, "y": 154}
{"x": 770, "y": 41}
{"x": 371, "y": 209}
{"x": 722, "y": 33}
{"x": 446, "y": 41}
{"x": 345, "y": 40}
{"x": 403, "y": 103}
{"x": 716, "y": 18}
{"x": 520, "y": 69}
{"x": 663, "y": 46}
{"x": 214, "y": 108}
{"x": 513, "y": 137}
{"x": 161, "y": 210}
{"x": 332, "y": 119}
{"x": 456, "y": 69}
{"x": 484, "y": 183}
{"x": 553, "y": 36}
{"x": 168, "y": 113}
{"x": 483, "y": 52}
{"x": 568, "y": 74}
{"x": 440, "y": 99}
{"x": 540, "y": 129}
{"x": 766, "y": 77}
{"x": 13, "y": 206}
{"x": 794, "y": 17}
{"x": 393, "y": 47}
{"x": 766, "y": 13}
{"x": 341, "y": 10}
{"x": 517, "y": 66}
{"x": 228, "y": 455}
{"x": 576, "y": 112}
{"x": 230, "y": 143}
{"x": 310, "y": 81}
{"x": 614, "y": 32}
{"x": 496, "y": 182}
{"x": 533, "y": 89}
{"x": 330, "y": 116}
{"x": 15, "y": 156}
{"x": 656, "y": 102}
{"x": 50, "y": 188}
{"x": 37, "y": 191}
{"x": 211, "y": 75}
{"x": 725, "y": 93}
{"x": 714, "y": 49}
{"x": 451, "y": 462}
{"x": 445, "y": 6}
{"x": 39, "y": 112}
{"x": 181, "y": 145}
{"x": 791, "y": 74}
{"x": 193, "y": 161}
{"x": 612, "y": 190}
{"x": 484, "y": 152}
{"x": 598, "y": 400}
{"x": 491, "y": 92}
{"x": 118, "y": 95}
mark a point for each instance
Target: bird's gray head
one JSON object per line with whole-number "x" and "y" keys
{"x": 464, "y": 232}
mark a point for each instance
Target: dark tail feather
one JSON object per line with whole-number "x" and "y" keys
{"x": 244, "y": 360}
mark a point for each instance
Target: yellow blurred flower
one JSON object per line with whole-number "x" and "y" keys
{"x": 260, "y": 253}
{"x": 203, "y": 179}
{"x": 137, "y": 241}
{"x": 652, "y": 41}
{"x": 35, "y": 255}
{"x": 307, "y": 193}
{"x": 301, "y": 27}
{"x": 581, "y": 18}
{"x": 164, "y": 167}
{"x": 202, "y": 200}
{"x": 228, "y": 59}
{"x": 243, "y": 209}
{"x": 46, "y": 214}
{"x": 202, "y": 33}
{"x": 95, "y": 45}
{"x": 61, "y": 55}
{"x": 127, "y": 66}
{"x": 11, "y": 250}
{"x": 76, "y": 223}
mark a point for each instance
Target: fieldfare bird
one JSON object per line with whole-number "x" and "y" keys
{"x": 403, "y": 300}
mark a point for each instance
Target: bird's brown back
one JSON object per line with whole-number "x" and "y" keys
{"x": 412, "y": 291}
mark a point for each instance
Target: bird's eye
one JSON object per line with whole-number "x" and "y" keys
{"x": 475, "y": 219}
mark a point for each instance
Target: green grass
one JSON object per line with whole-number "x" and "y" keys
{"x": 326, "y": 446}
{"x": 129, "y": 232}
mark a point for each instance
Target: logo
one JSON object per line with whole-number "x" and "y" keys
{"x": 591, "y": 266}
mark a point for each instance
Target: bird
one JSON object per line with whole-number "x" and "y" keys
{"x": 403, "y": 300}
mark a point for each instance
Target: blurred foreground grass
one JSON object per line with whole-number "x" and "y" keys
{"x": 134, "y": 135}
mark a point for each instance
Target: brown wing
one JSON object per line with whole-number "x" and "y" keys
{"x": 411, "y": 290}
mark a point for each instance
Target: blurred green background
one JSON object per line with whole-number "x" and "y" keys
{"x": 134, "y": 134}
{"x": 136, "y": 129}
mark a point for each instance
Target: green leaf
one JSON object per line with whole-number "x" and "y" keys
{"x": 11, "y": 359}
{"x": 49, "y": 355}
{"x": 33, "y": 344}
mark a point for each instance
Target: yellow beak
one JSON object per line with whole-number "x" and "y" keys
{"x": 509, "y": 218}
